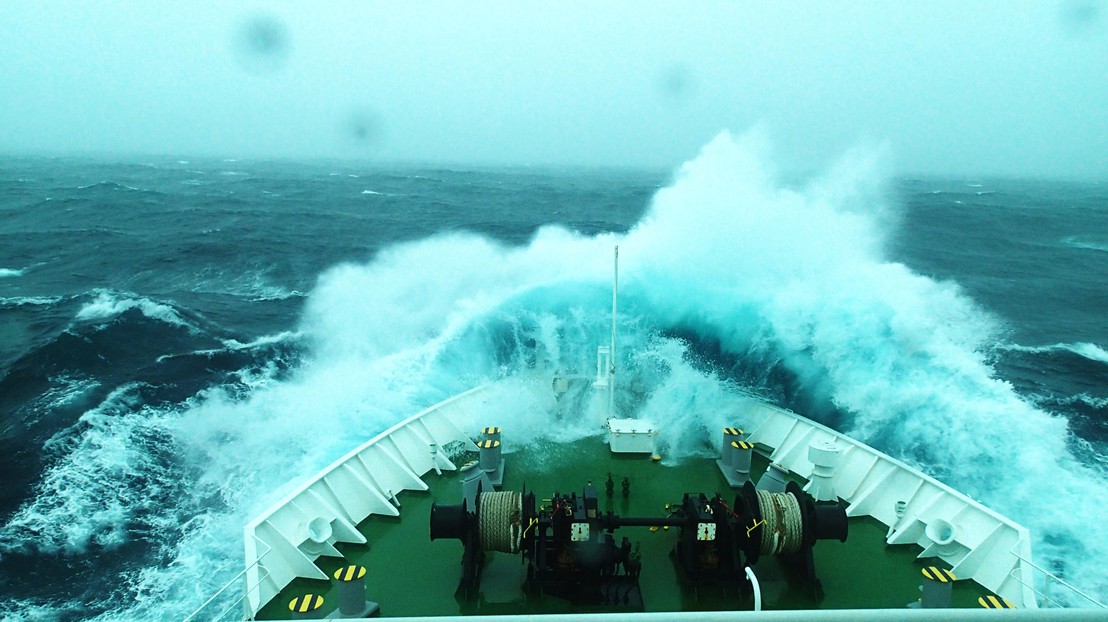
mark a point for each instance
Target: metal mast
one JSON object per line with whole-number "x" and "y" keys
{"x": 612, "y": 359}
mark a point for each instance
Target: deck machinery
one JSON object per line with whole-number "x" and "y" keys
{"x": 572, "y": 550}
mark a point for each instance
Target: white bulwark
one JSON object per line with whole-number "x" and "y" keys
{"x": 977, "y": 542}
{"x": 285, "y": 540}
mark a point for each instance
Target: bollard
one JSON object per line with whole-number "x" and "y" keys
{"x": 730, "y": 435}
{"x": 729, "y": 458}
{"x": 741, "y": 460}
{"x": 306, "y": 607}
{"x": 491, "y": 433}
{"x": 773, "y": 480}
{"x": 994, "y": 602}
{"x": 489, "y": 456}
{"x": 351, "y": 588}
{"x": 824, "y": 456}
{"x": 938, "y": 584}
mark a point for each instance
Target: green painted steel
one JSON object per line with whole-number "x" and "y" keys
{"x": 411, "y": 576}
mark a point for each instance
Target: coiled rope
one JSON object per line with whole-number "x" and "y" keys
{"x": 783, "y": 530}
{"x": 498, "y": 524}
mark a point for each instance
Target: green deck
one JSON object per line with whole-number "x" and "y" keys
{"x": 409, "y": 575}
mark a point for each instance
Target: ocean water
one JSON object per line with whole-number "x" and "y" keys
{"x": 182, "y": 341}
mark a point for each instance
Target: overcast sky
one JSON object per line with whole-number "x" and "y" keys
{"x": 960, "y": 87}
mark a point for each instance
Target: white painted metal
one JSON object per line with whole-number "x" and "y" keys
{"x": 823, "y": 455}
{"x": 284, "y": 541}
{"x": 977, "y": 542}
{"x": 757, "y": 587}
{"x": 631, "y": 436}
{"x": 612, "y": 360}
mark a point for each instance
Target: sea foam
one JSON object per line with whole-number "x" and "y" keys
{"x": 1091, "y": 351}
{"x": 108, "y": 304}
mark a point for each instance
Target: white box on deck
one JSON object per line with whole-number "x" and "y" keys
{"x": 631, "y": 436}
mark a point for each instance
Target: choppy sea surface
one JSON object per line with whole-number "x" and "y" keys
{"x": 182, "y": 341}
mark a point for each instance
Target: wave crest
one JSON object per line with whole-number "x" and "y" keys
{"x": 109, "y": 304}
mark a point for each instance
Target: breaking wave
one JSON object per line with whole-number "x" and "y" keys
{"x": 109, "y": 473}
{"x": 789, "y": 279}
{"x": 108, "y": 304}
{"x": 1090, "y": 351}
{"x": 29, "y": 300}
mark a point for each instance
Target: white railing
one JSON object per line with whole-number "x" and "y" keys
{"x": 1049, "y": 577}
{"x": 231, "y": 606}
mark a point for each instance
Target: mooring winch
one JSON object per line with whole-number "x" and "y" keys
{"x": 573, "y": 553}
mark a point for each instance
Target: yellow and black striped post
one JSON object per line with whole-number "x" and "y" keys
{"x": 351, "y": 588}
{"x": 740, "y": 457}
{"x": 938, "y": 586}
{"x": 306, "y": 607}
{"x": 489, "y": 458}
{"x": 994, "y": 602}
{"x": 491, "y": 433}
{"x": 730, "y": 435}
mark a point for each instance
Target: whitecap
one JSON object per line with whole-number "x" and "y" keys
{"x": 265, "y": 340}
{"x": 8, "y": 273}
{"x": 1084, "y": 398}
{"x": 104, "y": 475}
{"x": 108, "y": 304}
{"x": 29, "y": 300}
{"x": 65, "y": 390}
{"x": 233, "y": 345}
{"x": 1091, "y": 351}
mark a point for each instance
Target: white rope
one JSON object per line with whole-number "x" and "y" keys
{"x": 498, "y": 524}
{"x": 783, "y": 530}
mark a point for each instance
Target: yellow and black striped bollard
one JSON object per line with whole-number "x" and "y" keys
{"x": 730, "y": 435}
{"x": 994, "y": 602}
{"x": 938, "y": 587}
{"x": 306, "y": 607}
{"x": 491, "y": 433}
{"x": 741, "y": 456}
{"x": 352, "y": 591}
